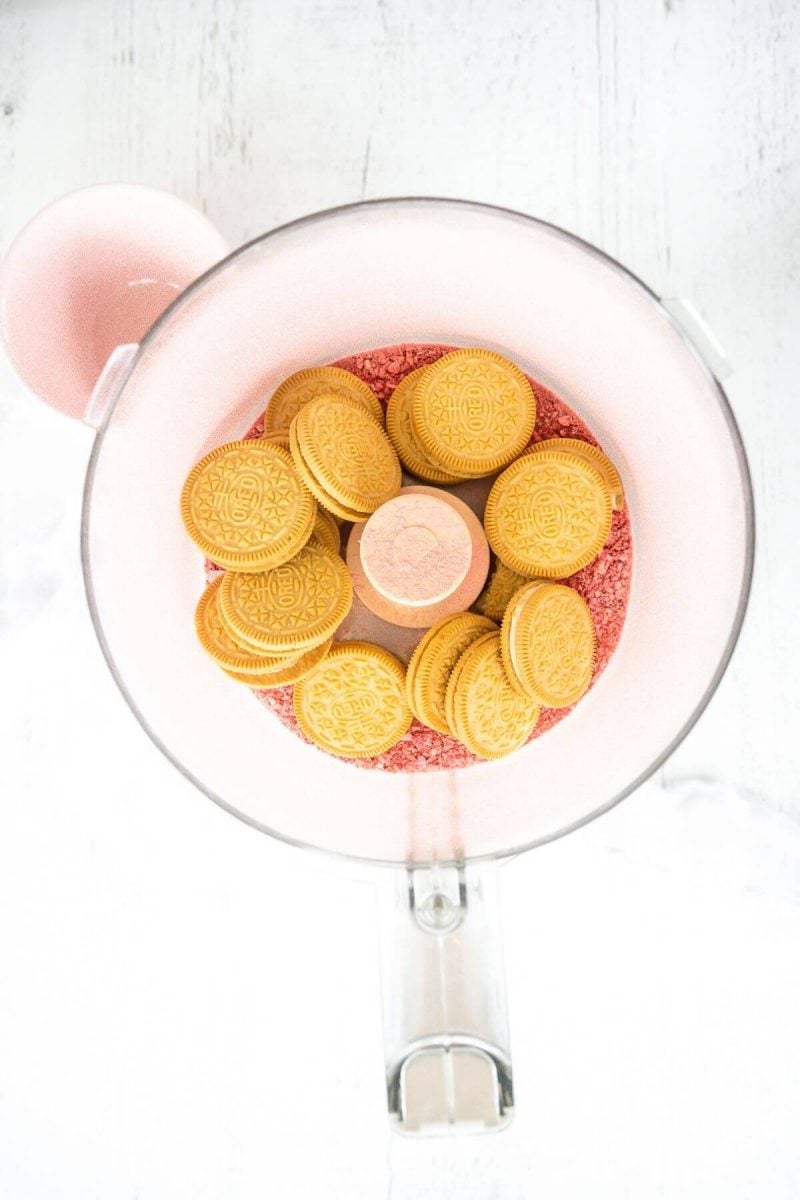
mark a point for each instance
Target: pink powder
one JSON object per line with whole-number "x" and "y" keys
{"x": 604, "y": 584}
{"x": 416, "y": 549}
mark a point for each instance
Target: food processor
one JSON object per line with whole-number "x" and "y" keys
{"x": 81, "y": 290}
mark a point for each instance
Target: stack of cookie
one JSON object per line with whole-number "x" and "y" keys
{"x": 463, "y": 417}
{"x": 344, "y": 459}
{"x": 285, "y": 591}
{"x": 486, "y": 685}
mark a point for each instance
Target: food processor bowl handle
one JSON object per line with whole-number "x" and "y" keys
{"x": 448, "y": 1062}
{"x": 91, "y": 273}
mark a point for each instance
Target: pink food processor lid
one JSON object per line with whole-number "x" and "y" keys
{"x": 92, "y": 272}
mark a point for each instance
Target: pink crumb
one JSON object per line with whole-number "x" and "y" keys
{"x": 604, "y": 584}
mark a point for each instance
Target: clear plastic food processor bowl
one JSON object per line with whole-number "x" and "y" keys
{"x": 422, "y": 271}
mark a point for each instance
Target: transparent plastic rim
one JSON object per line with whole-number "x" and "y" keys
{"x": 511, "y": 215}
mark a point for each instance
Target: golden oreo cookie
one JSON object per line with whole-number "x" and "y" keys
{"x": 433, "y": 660}
{"x": 591, "y": 454}
{"x": 503, "y": 583}
{"x": 226, "y": 651}
{"x": 353, "y": 704}
{"x": 548, "y": 643}
{"x": 488, "y": 715}
{"x": 246, "y": 507}
{"x": 296, "y": 391}
{"x": 401, "y": 433}
{"x": 340, "y": 511}
{"x": 293, "y": 607}
{"x": 473, "y": 412}
{"x": 326, "y": 532}
{"x": 347, "y": 453}
{"x": 295, "y": 671}
{"x": 548, "y": 514}
{"x": 452, "y": 682}
{"x": 276, "y": 439}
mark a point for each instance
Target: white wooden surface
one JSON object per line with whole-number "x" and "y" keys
{"x": 189, "y": 1010}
